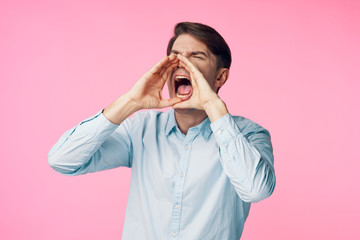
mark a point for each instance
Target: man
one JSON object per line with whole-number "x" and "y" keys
{"x": 195, "y": 168}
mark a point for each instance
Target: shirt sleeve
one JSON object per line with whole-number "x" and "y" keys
{"x": 95, "y": 144}
{"x": 247, "y": 158}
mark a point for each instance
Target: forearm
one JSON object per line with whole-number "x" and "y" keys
{"x": 90, "y": 147}
{"x": 77, "y": 146}
{"x": 251, "y": 174}
{"x": 246, "y": 156}
{"x": 121, "y": 109}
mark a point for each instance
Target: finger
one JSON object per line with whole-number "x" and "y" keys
{"x": 193, "y": 79}
{"x": 160, "y": 65}
{"x": 189, "y": 66}
{"x": 163, "y": 76}
{"x": 183, "y": 105}
{"x": 173, "y": 60}
{"x": 195, "y": 73}
{"x": 169, "y": 102}
{"x": 187, "y": 63}
{"x": 160, "y": 68}
{"x": 172, "y": 56}
{"x": 171, "y": 64}
{"x": 169, "y": 71}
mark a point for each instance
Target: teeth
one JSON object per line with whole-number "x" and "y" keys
{"x": 182, "y": 96}
{"x": 177, "y": 78}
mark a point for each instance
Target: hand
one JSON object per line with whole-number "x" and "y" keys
{"x": 202, "y": 93}
{"x": 203, "y": 96}
{"x": 147, "y": 92}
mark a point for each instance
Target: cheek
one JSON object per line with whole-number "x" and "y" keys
{"x": 200, "y": 66}
{"x": 196, "y": 63}
{"x": 206, "y": 70}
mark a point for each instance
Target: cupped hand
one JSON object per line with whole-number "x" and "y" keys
{"x": 202, "y": 93}
{"x": 147, "y": 91}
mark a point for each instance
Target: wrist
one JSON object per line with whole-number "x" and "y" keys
{"x": 131, "y": 102}
{"x": 121, "y": 109}
{"x": 215, "y": 109}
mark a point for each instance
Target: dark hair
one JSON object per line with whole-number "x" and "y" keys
{"x": 209, "y": 36}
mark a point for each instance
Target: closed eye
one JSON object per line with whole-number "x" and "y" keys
{"x": 198, "y": 57}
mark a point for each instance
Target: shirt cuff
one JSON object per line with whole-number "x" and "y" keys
{"x": 225, "y": 129}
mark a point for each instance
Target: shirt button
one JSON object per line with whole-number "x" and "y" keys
{"x": 177, "y": 206}
{"x": 186, "y": 147}
{"x": 219, "y": 131}
{"x": 173, "y": 234}
{"x": 181, "y": 174}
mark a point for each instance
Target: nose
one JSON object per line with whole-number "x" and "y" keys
{"x": 187, "y": 54}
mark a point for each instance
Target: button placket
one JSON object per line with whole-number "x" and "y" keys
{"x": 180, "y": 182}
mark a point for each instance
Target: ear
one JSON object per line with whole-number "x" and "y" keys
{"x": 222, "y": 76}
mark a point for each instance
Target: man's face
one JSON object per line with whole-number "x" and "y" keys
{"x": 199, "y": 55}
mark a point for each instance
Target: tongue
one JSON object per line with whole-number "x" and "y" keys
{"x": 184, "y": 89}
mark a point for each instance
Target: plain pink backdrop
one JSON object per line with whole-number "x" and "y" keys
{"x": 295, "y": 71}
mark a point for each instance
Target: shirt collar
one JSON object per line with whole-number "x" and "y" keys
{"x": 171, "y": 124}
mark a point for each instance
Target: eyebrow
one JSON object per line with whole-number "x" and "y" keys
{"x": 199, "y": 53}
{"x": 192, "y": 53}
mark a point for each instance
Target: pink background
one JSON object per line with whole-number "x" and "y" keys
{"x": 295, "y": 71}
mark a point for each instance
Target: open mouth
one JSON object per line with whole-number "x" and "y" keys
{"x": 183, "y": 88}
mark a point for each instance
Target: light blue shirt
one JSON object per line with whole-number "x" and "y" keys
{"x": 193, "y": 186}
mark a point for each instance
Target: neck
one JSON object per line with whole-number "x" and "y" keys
{"x": 187, "y": 118}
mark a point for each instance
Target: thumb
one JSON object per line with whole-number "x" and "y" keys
{"x": 169, "y": 102}
{"x": 182, "y": 105}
